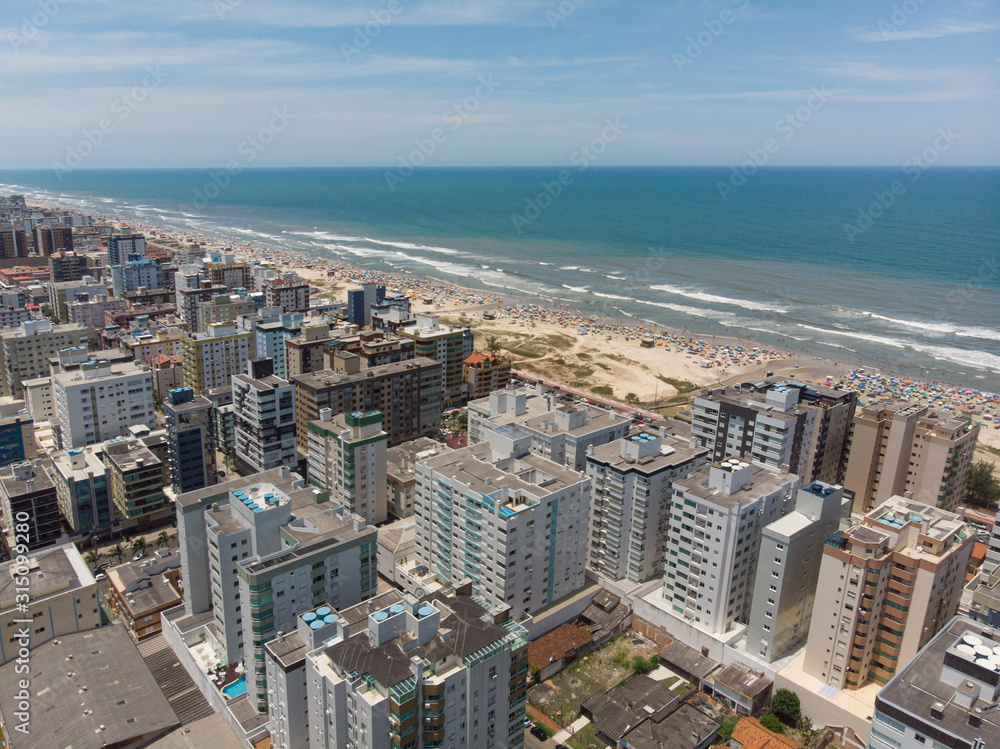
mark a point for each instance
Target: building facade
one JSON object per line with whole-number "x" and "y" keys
{"x": 264, "y": 419}
{"x": 189, "y": 420}
{"x": 213, "y": 357}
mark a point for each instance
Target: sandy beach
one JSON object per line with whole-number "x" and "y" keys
{"x": 622, "y": 359}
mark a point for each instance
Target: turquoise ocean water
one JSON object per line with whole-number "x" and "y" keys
{"x": 834, "y": 261}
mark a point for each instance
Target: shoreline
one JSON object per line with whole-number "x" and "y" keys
{"x": 670, "y": 365}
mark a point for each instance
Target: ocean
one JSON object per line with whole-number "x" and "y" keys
{"x": 876, "y": 266}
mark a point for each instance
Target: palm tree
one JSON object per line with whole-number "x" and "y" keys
{"x": 92, "y": 558}
{"x": 164, "y": 539}
{"x": 117, "y": 551}
{"x": 493, "y": 345}
{"x": 139, "y": 545}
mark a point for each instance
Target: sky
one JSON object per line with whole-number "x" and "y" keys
{"x": 203, "y": 83}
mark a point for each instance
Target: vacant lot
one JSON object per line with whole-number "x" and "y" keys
{"x": 560, "y": 697}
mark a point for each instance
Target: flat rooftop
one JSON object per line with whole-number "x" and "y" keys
{"x": 51, "y": 571}
{"x": 122, "y": 701}
{"x": 940, "y": 674}
{"x": 675, "y": 451}
{"x": 528, "y": 473}
{"x": 400, "y": 459}
{"x": 328, "y": 378}
{"x": 764, "y": 481}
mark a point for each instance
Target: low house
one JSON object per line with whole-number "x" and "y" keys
{"x": 140, "y": 591}
{"x": 746, "y": 691}
{"x": 687, "y": 727}
{"x": 689, "y": 663}
{"x": 620, "y": 709}
{"x": 750, "y": 734}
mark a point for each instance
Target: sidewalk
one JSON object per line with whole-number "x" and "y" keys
{"x": 576, "y": 725}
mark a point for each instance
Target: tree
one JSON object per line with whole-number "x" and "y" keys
{"x": 728, "y": 725}
{"x": 785, "y": 705}
{"x": 139, "y": 545}
{"x": 164, "y": 539}
{"x": 645, "y": 665}
{"x": 493, "y": 345}
{"x": 983, "y": 488}
{"x": 117, "y": 551}
{"x": 771, "y": 723}
{"x": 92, "y": 558}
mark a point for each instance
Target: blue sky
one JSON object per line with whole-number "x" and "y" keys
{"x": 525, "y": 82}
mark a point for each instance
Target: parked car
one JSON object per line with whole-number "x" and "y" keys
{"x": 528, "y": 723}
{"x": 100, "y": 576}
{"x": 140, "y": 555}
{"x": 538, "y": 733}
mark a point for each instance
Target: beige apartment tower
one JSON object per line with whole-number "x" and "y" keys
{"x": 900, "y": 448}
{"x": 889, "y": 584}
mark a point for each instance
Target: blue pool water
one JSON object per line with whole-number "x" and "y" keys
{"x": 237, "y": 688}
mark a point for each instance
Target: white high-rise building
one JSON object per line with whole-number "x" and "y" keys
{"x": 347, "y": 457}
{"x": 715, "y": 530}
{"x": 259, "y": 550}
{"x": 631, "y": 499}
{"x": 25, "y": 352}
{"x": 100, "y": 401}
{"x": 438, "y": 672}
{"x": 560, "y": 431}
{"x": 510, "y": 521}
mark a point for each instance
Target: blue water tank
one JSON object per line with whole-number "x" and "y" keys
{"x": 380, "y": 616}
{"x": 425, "y": 611}
{"x": 323, "y": 611}
{"x": 396, "y": 608}
{"x": 308, "y": 616}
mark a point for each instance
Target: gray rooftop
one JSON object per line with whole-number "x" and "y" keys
{"x": 741, "y": 679}
{"x": 528, "y": 473}
{"x": 121, "y": 694}
{"x": 687, "y": 659}
{"x": 679, "y": 452}
{"x": 765, "y": 481}
{"x": 919, "y": 685}
{"x": 686, "y": 727}
{"x": 618, "y": 709}
{"x": 400, "y": 460}
{"x": 51, "y": 571}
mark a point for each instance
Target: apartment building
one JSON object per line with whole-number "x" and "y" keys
{"x": 67, "y": 266}
{"x": 135, "y": 477}
{"x": 407, "y": 394}
{"x": 441, "y": 671}
{"x": 631, "y": 499}
{"x": 778, "y": 423}
{"x": 13, "y": 242}
{"x": 259, "y": 550}
{"x": 212, "y": 358}
{"x": 89, "y": 313}
{"x": 270, "y": 333}
{"x": 190, "y": 435}
{"x": 145, "y": 346}
{"x": 449, "y": 345}
{"x": 374, "y": 348}
{"x": 791, "y": 550}
{"x": 888, "y": 584}
{"x": 714, "y": 542}
{"x": 503, "y": 518}
{"x": 484, "y": 373}
{"x": 50, "y": 239}
{"x": 17, "y": 435}
{"x": 82, "y": 494}
{"x": 560, "y": 430}
{"x": 191, "y": 288}
{"x": 224, "y": 308}
{"x": 291, "y": 295}
{"x": 945, "y": 696}
{"x": 401, "y": 472}
{"x": 360, "y": 301}
{"x": 347, "y": 458}
{"x": 897, "y": 448}
{"x": 134, "y": 275}
{"x": 123, "y": 248}
{"x": 25, "y": 353}
{"x": 140, "y": 591}
{"x": 64, "y": 292}
{"x": 264, "y": 419}
{"x": 54, "y": 591}
{"x": 99, "y": 401}
{"x": 30, "y": 506}
{"x": 229, "y": 272}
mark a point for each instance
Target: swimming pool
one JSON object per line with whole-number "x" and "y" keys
{"x": 236, "y": 688}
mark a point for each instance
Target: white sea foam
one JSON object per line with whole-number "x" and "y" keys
{"x": 702, "y": 296}
{"x": 944, "y": 328}
{"x": 416, "y": 247}
{"x": 579, "y": 289}
{"x": 611, "y": 296}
